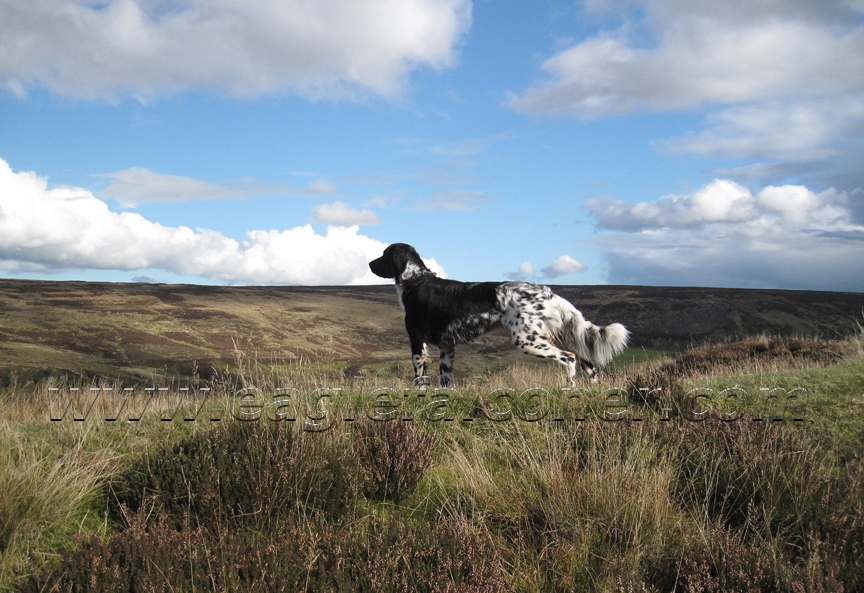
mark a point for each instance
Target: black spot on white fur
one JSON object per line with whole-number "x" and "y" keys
{"x": 446, "y": 313}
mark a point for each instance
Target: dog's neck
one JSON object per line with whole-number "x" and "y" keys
{"x": 412, "y": 270}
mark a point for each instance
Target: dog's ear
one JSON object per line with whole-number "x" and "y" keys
{"x": 384, "y": 266}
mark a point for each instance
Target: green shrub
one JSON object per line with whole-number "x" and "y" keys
{"x": 247, "y": 472}
{"x": 729, "y": 561}
{"x": 394, "y": 456}
{"x": 310, "y": 555}
{"x": 264, "y": 507}
{"x": 782, "y": 511}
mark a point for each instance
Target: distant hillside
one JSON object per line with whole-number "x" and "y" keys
{"x": 138, "y": 330}
{"x": 670, "y": 317}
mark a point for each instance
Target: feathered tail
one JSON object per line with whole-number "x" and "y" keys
{"x": 589, "y": 341}
{"x": 603, "y": 343}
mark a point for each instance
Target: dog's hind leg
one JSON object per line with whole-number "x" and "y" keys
{"x": 445, "y": 366}
{"x": 566, "y": 358}
{"x": 527, "y": 333}
{"x": 530, "y": 342}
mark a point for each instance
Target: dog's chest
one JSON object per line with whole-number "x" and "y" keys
{"x": 399, "y": 296}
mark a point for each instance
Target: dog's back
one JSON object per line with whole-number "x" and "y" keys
{"x": 449, "y": 312}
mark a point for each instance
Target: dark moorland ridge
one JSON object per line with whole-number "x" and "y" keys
{"x": 134, "y": 330}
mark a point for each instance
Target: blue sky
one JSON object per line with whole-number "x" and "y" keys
{"x": 661, "y": 142}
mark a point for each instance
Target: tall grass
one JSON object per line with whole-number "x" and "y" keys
{"x": 42, "y": 496}
{"x": 574, "y": 511}
{"x": 456, "y": 501}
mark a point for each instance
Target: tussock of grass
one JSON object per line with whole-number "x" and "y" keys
{"x": 570, "y": 510}
{"x": 44, "y": 498}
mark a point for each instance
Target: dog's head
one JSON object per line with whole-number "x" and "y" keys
{"x": 396, "y": 260}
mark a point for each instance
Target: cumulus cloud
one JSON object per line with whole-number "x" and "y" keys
{"x": 138, "y": 185}
{"x": 722, "y": 201}
{"x": 563, "y": 264}
{"x": 778, "y": 80}
{"x": 341, "y": 214}
{"x": 433, "y": 265}
{"x": 143, "y": 48}
{"x": 725, "y": 235}
{"x": 525, "y": 273}
{"x": 146, "y": 278}
{"x": 63, "y": 228}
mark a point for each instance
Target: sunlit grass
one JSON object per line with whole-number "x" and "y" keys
{"x": 567, "y": 499}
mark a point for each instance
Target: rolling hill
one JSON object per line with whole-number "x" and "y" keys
{"x": 138, "y": 331}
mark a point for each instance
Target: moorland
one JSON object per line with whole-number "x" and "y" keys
{"x": 142, "y": 332}
{"x": 722, "y": 451}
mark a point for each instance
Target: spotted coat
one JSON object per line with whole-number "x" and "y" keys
{"x": 446, "y": 313}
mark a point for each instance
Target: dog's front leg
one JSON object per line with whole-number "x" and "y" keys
{"x": 420, "y": 359}
{"x": 590, "y": 370}
{"x": 445, "y": 366}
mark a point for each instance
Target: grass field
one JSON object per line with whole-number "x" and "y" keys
{"x": 719, "y": 482}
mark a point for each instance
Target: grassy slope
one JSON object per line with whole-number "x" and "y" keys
{"x": 641, "y": 497}
{"x": 512, "y": 480}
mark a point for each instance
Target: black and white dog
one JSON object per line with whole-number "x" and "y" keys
{"x": 446, "y": 313}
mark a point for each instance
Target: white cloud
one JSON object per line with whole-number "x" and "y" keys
{"x": 564, "y": 264}
{"x": 799, "y": 130}
{"x": 137, "y": 185}
{"x": 724, "y": 235}
{"x": 319, "y": 187}
{"x": 433, "y": 265}
{"x": 469, "y": 146}
{"x": 525, "y": 273}
{"x": 341, "y": 214}
{"x": 795, "y": 204}
{"x": 699, "y": 60}
{"x": 143, "y": 48}
{"x": 65, "y": 228}
{"x": 382, "y": 201}
{"x": 719, "y": 201}
{"x": 779, "y": 79}
{"x": 722, "y": 201}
